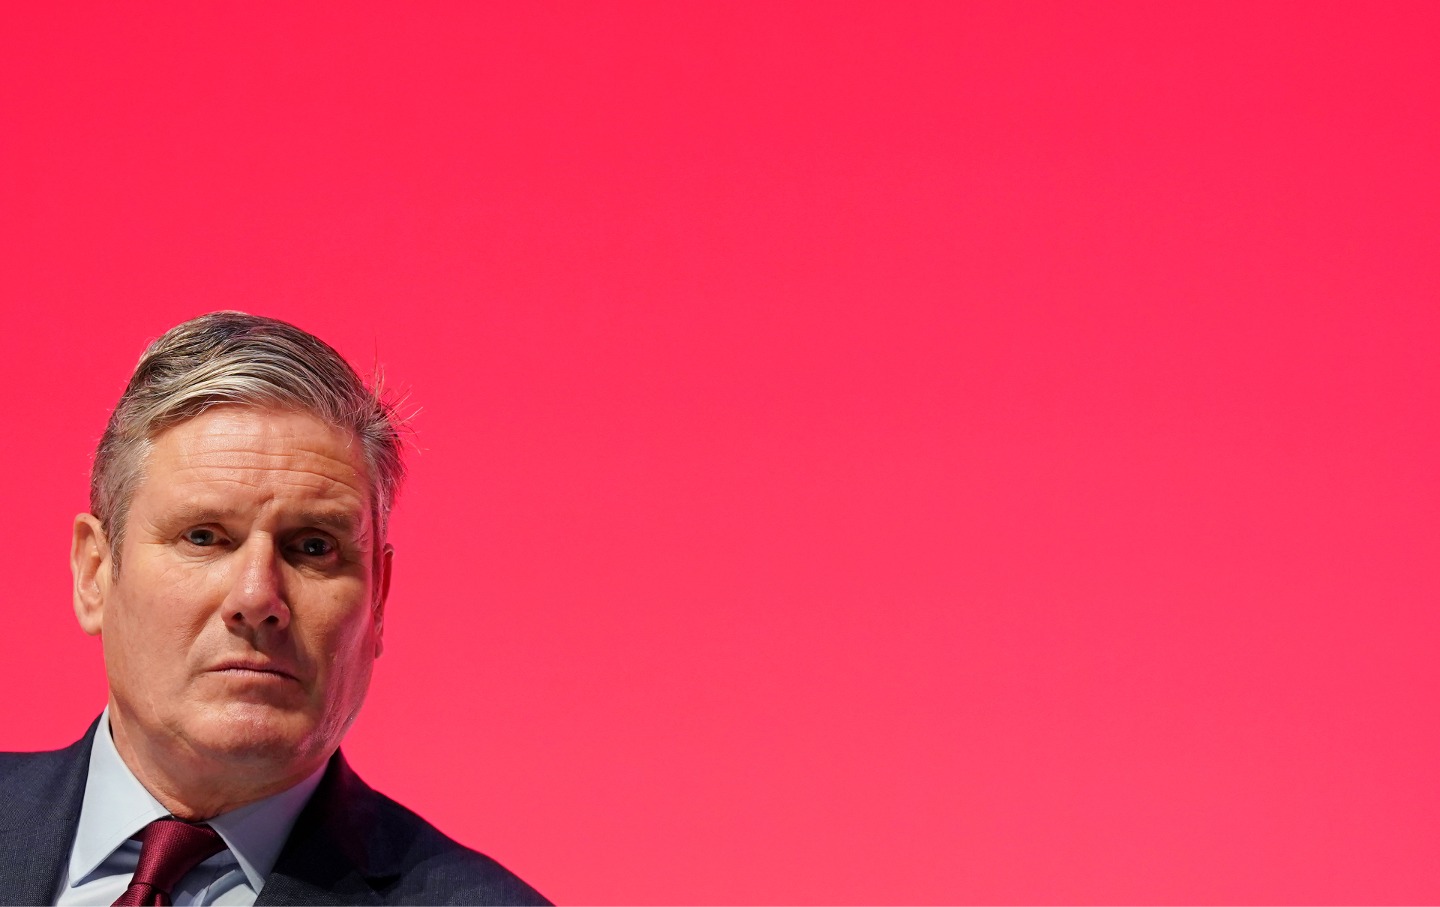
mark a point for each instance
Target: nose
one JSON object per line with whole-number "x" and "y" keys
{"x": 257, "y": 597}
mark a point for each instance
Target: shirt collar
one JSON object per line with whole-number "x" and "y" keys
{"x": 116, "y": 806}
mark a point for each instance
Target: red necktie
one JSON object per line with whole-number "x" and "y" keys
{"x": 169, "y": 848}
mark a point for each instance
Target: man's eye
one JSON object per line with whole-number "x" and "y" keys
{"x": 202, "y": 537}
{"x": 315, "y": 547}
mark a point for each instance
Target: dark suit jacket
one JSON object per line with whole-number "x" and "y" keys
{"x": 351, "y": 845}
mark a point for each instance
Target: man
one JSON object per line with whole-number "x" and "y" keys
{"x": 235, "y": 566}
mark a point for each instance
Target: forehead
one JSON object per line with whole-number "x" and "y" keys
{"x": 254, "y": 455}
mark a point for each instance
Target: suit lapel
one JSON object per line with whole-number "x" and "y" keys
{"x": 39, "y": 809}
{"x": 334, "y": 855}
{"x": 330, "y": 857}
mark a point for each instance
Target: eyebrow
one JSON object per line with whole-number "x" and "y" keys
{"x": 340, "y": 522}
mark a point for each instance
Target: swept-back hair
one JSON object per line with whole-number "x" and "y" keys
{"x": 235, "y": 358}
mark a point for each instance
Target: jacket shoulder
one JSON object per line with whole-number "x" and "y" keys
{"x": 40, "y": 796}
{"x": 41, "y": 778}
{"x": 439, "y": 869}
{"x": 356, "y": 845}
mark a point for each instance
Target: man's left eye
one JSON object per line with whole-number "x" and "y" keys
{"x": 316, "y": 547}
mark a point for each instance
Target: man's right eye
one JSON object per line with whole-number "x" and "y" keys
{"x": 202, "y": 537}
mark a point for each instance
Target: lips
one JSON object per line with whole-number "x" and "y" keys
{"x": 251, "y": 666}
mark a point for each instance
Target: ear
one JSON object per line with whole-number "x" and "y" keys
{"x": 90, "y": 566}
{"x": 382, "y": 592}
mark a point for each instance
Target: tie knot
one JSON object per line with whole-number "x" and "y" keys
{"x": 169, "y": 848}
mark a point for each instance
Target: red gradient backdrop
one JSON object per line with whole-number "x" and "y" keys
{"x": 973, "y": 452}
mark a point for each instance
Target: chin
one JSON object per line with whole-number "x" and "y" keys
{"x": 260, "y": 736}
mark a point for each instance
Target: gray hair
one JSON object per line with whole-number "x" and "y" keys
{"x": 235, "y": 358}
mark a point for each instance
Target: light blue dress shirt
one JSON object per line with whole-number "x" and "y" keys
{"x": 117, "y": 806}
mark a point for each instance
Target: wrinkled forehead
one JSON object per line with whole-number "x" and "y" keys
{"x": 246, "y": 450}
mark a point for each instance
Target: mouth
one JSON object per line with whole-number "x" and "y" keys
{"x": 252, "y": 670}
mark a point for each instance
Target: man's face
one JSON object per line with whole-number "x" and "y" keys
{"x": 242, "y": 624}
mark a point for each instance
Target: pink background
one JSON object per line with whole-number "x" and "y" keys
{"x": 968, "y": 452}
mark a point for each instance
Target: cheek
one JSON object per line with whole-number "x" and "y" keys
{"x": 159, "y": 633}
{"x": 340, "y": 632}
{"x": 157, "y": 615}
{"x": 347, "y": 653}
{"x": 355, "y": 640}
